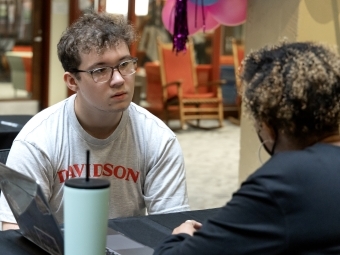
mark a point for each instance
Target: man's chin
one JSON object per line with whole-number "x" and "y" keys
{"x": 118, "y": 109}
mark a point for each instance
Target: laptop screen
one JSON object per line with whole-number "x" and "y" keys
{"x": 31, "y": 210}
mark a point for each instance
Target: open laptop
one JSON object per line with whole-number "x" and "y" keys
{"x": 38, "y": 224}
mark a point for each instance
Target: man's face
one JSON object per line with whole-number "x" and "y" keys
{"x": 113, "y": 95}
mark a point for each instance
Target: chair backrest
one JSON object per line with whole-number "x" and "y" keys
{"x": 177, "y": 66}
{"x": 238, "y": 55}
{"x": 153, "y": 83}
{"x": 3, "y": 155}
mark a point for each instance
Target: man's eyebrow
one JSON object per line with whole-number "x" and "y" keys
{"x": 102, "y": 64}
{"x": 126, "y": 57}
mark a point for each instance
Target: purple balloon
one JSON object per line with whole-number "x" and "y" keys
{"x": 204, "y": 2}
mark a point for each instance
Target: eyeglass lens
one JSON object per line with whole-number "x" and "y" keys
{"x": 104, "y": 74}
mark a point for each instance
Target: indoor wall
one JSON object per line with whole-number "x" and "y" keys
{"x": 59, "y": 22}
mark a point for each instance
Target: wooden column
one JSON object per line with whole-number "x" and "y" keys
{"x": 216, "y": 52}
{"x": 74, "y": 11}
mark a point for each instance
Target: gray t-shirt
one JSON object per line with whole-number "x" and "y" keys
{"x": 142, "y": 159}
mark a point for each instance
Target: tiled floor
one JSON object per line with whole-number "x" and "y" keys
{"x": 19, "y": 106}
{"x": 212, "y": 159}
{"x": 7, "y": 91}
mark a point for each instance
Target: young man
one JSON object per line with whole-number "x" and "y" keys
{"x": 129, "y": 146}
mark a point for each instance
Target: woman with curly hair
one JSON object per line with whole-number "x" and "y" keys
{"x": 291, "y": 204}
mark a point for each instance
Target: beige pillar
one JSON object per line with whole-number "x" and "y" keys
{"x": 59, "y": 21}
{"x": 268, "y": 21}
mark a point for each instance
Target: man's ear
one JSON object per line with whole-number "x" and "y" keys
{"x": 71, "y": 81}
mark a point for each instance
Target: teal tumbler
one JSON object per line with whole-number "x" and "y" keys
{"x": 86, "y": 209}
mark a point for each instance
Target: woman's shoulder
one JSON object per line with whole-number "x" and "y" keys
{"x": 290, "y": 166}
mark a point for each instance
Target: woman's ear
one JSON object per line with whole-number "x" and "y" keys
{"x": 71, "y": 81}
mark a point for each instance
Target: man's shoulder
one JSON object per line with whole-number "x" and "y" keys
{"x": 143, "y": 118}
{"x": 140, "y": 112}
{"x": 45, "y": 119}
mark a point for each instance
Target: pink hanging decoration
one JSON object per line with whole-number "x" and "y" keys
{"x": 210, "y": 22}
{"x": 203, "y": 15}
{"x": 194, "y": 17}
{"x": 168, "y": 15}
{"x": 199, "y": 19}
{"x": 180, "y": 36}
{"x": 229, "y": 12}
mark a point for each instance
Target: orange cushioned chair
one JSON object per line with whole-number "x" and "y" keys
{"x": 154, "y": 102}
{"x": 181, "y": 91}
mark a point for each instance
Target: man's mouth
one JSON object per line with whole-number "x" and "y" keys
{"x": 119, "y": 95}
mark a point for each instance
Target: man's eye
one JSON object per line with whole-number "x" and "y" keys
{"x": 100, "y": 70}
{"x": 124, "y": 64}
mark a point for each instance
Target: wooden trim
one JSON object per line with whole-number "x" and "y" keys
{"x": 45, "y": 57}
{"x": 191, "y": 50}
{"x": 163, "y": 78}
{"x": 41, "y": 13}
{"x": 74, "y": 11}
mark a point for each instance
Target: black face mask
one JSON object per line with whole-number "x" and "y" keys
{"x": 270, "y": 152}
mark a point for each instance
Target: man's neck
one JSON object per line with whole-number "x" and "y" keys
{"x": 98, "y": 124}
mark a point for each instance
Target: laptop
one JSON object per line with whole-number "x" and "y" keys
{"x": 38, "y": 224}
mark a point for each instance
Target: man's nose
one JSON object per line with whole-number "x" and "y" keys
{"x": 117, "y": 78}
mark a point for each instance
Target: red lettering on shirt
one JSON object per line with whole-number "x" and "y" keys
{"x": 98, "y": 170}
{"x": 134, "y": 175}
{"x": 70, "y": 172}
{"x": 119, "y": 172}
{"x": 62, "y": 175}
{"x": 107, "y": 171}
{"x": 79, "y": 170}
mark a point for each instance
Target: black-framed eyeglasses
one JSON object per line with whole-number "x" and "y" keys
{"x": 104, "y": 74}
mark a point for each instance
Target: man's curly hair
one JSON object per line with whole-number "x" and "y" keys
{"x": 295, "y": 87}
{"x": 93, "y": 31}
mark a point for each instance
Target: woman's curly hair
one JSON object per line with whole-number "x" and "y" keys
{"x": 93, "y": 31}
{"x": 294, "y": 87}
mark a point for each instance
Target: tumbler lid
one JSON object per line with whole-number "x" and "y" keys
{"x": 91, "y": 183}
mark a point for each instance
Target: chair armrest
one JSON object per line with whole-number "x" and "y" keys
{"x": 216, "y": 83}
{"x": 178, "y": 83}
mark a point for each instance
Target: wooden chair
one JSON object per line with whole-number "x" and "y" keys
{"x": 238, "y": 56}
{"x": 181, "y": 91}
{"x": 153, "y": 89}
{"x": 20, "y": 63}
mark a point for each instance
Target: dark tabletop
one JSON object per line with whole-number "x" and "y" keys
{"x": 10, "y": 126}
{"x": 151, "y": 230}
{"x": 148, "y": 230}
